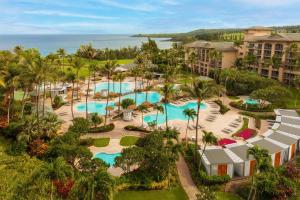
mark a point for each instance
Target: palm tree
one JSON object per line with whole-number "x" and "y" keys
{"x": 62, "y": 54}
{"x": 56, "y": 170}
{"x": 191, "y": 114}
{"x": 108, "y": 68}
{"x": 77, "y": 65}
{"x": 167, "y": 90}
{"x": 159, "y": 109}
{"x": 94, "y": 68}
{"x": 262, "y": 158}
{"x": 201, "y": 90}
{"x": 71, "y": 77}
{"x": 208, "y": 138}
{"x": 135, "y": 72}
{"x": 142, "y": 108}
{"x": 192, "y": 60}
{"x": 120, "y": 77}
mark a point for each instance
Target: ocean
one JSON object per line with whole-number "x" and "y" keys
{"x": 50, "y": 43}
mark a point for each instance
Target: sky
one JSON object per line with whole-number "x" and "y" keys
{"x": 141, "y": 16}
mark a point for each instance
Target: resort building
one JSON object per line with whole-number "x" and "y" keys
{"x": 292, "y": 121}
{"x": 276, "y": 149}
{"x": 269, "y": 54}
{"x": 287, "y": 113}
{"x": 218, "y": 161}
{"x": 291, "y": 130}
{"x": 290, "y": 140}
{"x": 210, "y": 55}
{"x": 247, "y": 166}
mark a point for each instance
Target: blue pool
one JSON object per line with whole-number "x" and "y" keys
{"x": 114, "y": 87}
{"x": 108, "y": 158}
{"x": 174, "y": 112}
{"x": 99, "y": 107}
{"x": 251, "y": 102}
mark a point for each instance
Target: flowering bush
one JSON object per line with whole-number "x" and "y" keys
{"x": 63, "y": 187}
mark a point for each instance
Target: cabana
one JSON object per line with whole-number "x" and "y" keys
{"x": 247, "y": 166}
{"x": 289, "y": 130}
{"x": 217, "y": 161}
{"x": 276, "y": 150}
{"x": 293, "y": 121}
{"x": 286, "y": 113}
{"x": 291, "y": 141}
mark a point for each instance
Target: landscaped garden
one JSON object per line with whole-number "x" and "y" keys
{"x": 128, "y": 140}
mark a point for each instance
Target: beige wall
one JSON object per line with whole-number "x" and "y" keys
{"x": 228, "y": 59}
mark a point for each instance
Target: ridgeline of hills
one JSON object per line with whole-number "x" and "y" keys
{"x": 230, "y": 34}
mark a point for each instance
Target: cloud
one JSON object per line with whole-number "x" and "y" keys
{"x": 170, "y": 2}
{"x": 65, "y": 14}
{"x": 269, "y": 3}
{"x": 144, "y": 7}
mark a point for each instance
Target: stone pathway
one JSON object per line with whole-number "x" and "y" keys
{"x": 186, "y": 179}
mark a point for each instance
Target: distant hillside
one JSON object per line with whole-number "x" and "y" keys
{"x": 230, "y": 34}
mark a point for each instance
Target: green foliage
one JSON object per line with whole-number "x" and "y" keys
{"x": 129, "y": 140}
{"x": 136, "y": 128}
{"x": 102, "y": 129}
{"x": 96, "y": 119}
{"x": 212, "y": 180}
{"x": 101, "y": 142}
{"x": 127, "y": 102}
{"x": 206, "y": 193}
{"x": 86, "y": 141}
{"x": 57, "y": 102}
{"x": 223, "y": 108}
{"x": 80, "y": 125}
{"x": 258, "y": 115}
{"x": 251, "y": 107}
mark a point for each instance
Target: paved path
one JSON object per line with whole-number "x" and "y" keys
{"x": 186, "y": 179}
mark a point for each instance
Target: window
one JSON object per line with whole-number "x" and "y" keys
{"x": 268, "y": 46}
{"x": 278, "y": 47}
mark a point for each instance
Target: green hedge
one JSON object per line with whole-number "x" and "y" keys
{"x": 258, "y": 115}
{"x": 223, "y": 108}
{"x": 253, "y": 108}
{"x": 136, "y": 128}
{"x": 102, "y": 129}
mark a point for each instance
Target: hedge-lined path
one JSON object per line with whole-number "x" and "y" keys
{"x": 186, "y": 179}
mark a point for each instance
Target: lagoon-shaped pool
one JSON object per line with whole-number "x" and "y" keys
{"x": 108, "y": 158}
{"x": 114, "y": 87}
{"x": 174, "y": 113}
{"x": 99, "y": 107}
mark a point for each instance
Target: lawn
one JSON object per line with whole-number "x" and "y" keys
{"x": 172, "y": 194}
{"x": 233, "y": 97}
{"x": 227, "y": 196}
{"x": 101, "y": 142}
{"x": 128, "y": 140}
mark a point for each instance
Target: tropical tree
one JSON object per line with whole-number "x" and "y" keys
{"x": 135, "y": 72}
{"x": 142, "y": 108}
{"x": 215, "y": 57}
{"x": 192, "y": 60}
{"x": 108, "y": 68}
{"x": 159, "y": 109}
{"x": 71, "y": 77}
{"x": 208, "y": 138}
{"x": 200, "y": 90}
{"x": 77, "y": 65}
{"x": 190, "y": 113}
{"x": 120, "y": 77}
{"x": 62, "y": 54}
{"x": 262, "y": 162}
{"x": 96, "y": 119}
{"x": 56, "y": 170}
{"x": 167, "y": 90}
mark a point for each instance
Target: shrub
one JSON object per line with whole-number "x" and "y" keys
{"x": 259, "y": 116}
{"x": 212, "y": 180}
{"x": 86, "y": 141}
{"x": 37, "y": 148}
{"x": 223, "y": 108}
{"x": 102, "y": 129}
{"x": 127, "y": 102}
{"x": 253, "y": 108}
{"x": 96, "y": 119}
{"x": 80, "y": 125}
{"x": 17, "y": 148}
{"x": 136, "y": 128}
{"x": 13, "y": 129}
{"x": 57, "y": 102}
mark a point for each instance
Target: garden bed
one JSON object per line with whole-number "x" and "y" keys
{"x": 253, "y": 108}
{"x": 102, "y": 129}
{"x": 128, "y": 140}
{"x": 136, "y": 128}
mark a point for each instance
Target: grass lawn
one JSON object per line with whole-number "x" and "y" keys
{"x": 227, "y": 196}
{"x": 233, "y": 97}
{"x": 128, "y": 140}
{"x": 19, "y": 95}
{"x": 101, "y": 142}
{"x": 172, "y": 194}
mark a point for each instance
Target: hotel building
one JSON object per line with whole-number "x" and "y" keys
{"x": 272, "y": 54}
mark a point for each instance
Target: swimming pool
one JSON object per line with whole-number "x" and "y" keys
{"x": 174, "y": 112}
{"x": 108, "y": 158}
{"x": 99, "y": 107}
{"x": 115, "y": 87}
{"x": 251, "y": 101}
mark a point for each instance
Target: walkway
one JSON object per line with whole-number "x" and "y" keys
{"x": 186, "y": 179}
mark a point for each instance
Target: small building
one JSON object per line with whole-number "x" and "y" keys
{"x": 286, "y": 113}
{"x": 276, "y": 150}
{"x": 293, "y": 121}
{"x": 247, "y": 166}
{"x": 291, "y": 141}
{"x": 290, "y": 130}
{"x": 217, "y": 161}
{"x": 57, "y": 91}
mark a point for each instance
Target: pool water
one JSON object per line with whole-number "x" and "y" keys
{"x": 114, "y": 87}
{"x": 174, "y": 113}
{"x": 99, "y": 107}
{"x": 251, "y": 101}
{"x": 94, "y": 107}
{"x": 108, "y": 158}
